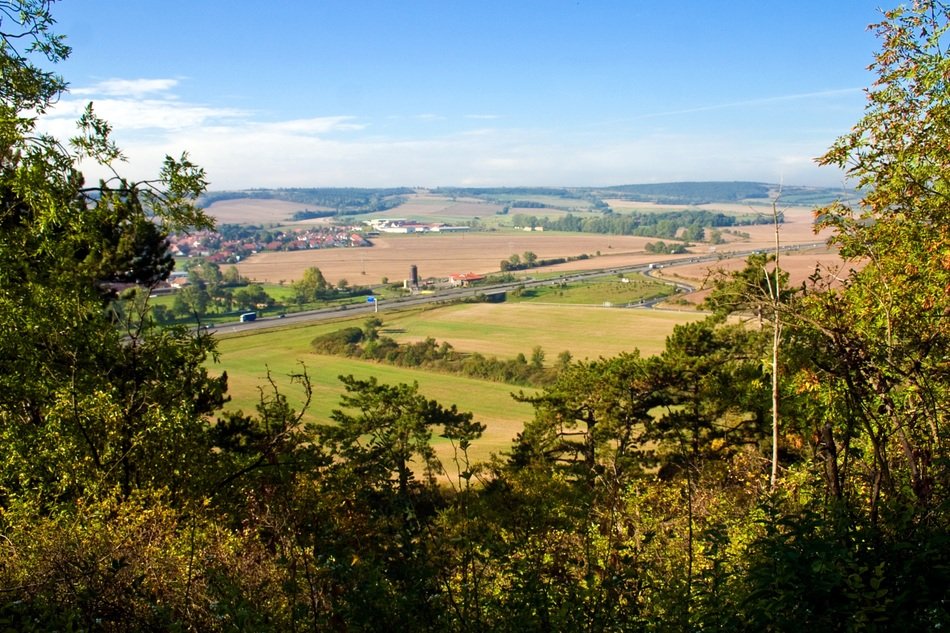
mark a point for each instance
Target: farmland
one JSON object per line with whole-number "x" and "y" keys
{"x": 438, "y": 255}
{"x": 502, "y": 330}
{"x": 555, "y": 319}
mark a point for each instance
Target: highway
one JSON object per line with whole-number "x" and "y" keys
{"x": 455, "y": 294}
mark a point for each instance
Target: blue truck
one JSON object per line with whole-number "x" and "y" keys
{"x": 248, "y": 316}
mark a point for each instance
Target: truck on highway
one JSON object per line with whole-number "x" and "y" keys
{"x": 248, "y": 316}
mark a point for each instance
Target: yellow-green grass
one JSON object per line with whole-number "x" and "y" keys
{"x": 280, "y": 292}
{"x": 248, "y": 359}
{"x": 614, "y": 291}
{"x": 507, "y": 329}
{"x": 283, "y": 293}
{"x": 502, "y": 330}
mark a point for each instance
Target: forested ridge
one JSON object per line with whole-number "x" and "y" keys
{"x": 352, "y": 201}
{"x": 332, "y": 201}
{"x": 784, "y": 468}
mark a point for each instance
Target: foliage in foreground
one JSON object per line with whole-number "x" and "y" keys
{"x": 637, "y": 498}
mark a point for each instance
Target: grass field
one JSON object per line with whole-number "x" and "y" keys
{"x": 505, "y": 330}
{"x": 248, "y": 359}
{"x": 501, "y": 330}
{"x": 563, "y": 319}
{"x": 616, "y": 291}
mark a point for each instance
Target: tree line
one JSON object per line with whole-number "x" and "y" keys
{"x": 665, "y": 224}
{"x": 211, "y": 291}
{"x": 340, "y": 199}
{"x": 368, "y": 343}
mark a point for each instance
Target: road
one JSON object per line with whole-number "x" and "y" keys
{"x": 456, "y": 294}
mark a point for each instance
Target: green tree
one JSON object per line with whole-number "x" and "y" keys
{"x": 192, "y": 300}
{"x": 592, "y": 420}
{"x": 881, "y": 336}
{"x": 398, "y": 423}
{"x": 251, "y": 296}
{"x": 750, "y": 289}
{"x": 95, "y": 398}
{"x": 537, "y": 357}
{"x": 232, "y": 277}
{"x": 311, "y": 286}
{"x": 379, "y": 440}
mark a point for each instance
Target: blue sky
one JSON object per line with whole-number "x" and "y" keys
{"x": 471, "y": 93}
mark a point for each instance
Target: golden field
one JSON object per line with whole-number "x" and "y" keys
{"x": 438, "y": 255}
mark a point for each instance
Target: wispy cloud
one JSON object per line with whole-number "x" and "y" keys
{"x": 241, "y": 149}
{"x": 144, "y": 114}
{"x": 139, "y": 104}
{"x": 134, "y": 88}
{"x": 316, "y": 125}
{"x": 745, "y": 103}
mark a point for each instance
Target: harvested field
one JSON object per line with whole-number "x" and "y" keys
{"x": 250, "y": 211}
{"x": 438, "y": 255}
{"x": 799, "y": 265}
{"x": 797, "y": 229}
{"x": 431, "y": 208}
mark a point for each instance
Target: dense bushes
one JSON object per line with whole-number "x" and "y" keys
{"x": 367, "y": 344}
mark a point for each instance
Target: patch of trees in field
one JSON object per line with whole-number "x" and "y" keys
{"x": 783, "y": 465}
{"x": 213, "y": 292}
{"x": 663, "y": 248}
{"x": 688, "y": 224}
{"x": 368, "y": 343}
{"x": 529, "y": 259}
{"x": 676, "y": 193}
{"x": 354, "y": 201}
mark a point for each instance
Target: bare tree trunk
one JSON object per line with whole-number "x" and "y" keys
{"x": 776, "y": 335}
{"x": 776, "y": 340}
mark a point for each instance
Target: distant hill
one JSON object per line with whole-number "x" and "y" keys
{"x": 690, "y": 192}
{"x": 693, "y": 193}
{"x": 351, "y": 201}
{"x": 329, "y": 200}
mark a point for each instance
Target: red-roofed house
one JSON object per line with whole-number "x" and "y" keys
{"x": 464, "y": 279}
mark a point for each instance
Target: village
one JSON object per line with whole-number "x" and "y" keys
{"x": 233, "y": 244}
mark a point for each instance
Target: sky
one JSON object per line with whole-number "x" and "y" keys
{"x": 479, "y": 93}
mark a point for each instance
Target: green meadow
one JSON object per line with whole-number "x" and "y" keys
{"x": 508, "y": 329}
{"x": 502, "y": 330}
{"x": 279, "y": 354}
{"x": 620, "y": 290}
